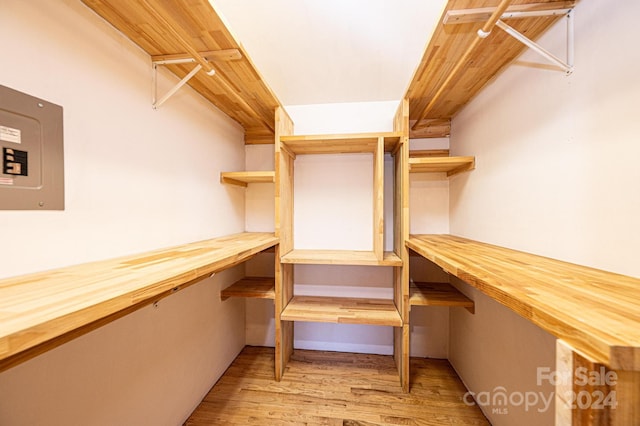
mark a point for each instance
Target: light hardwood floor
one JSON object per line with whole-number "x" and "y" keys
{"x": 331, "y": 388}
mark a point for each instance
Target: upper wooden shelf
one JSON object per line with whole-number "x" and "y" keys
{"x": 596, "y": 312}
{"x": 438, "y": 294}
{"x": 449, "y": 165}
{"x": 340, "y": 257}
{"x": 37, "y": 308}
{"x": 251, "y": 287}
{"x": 339, "y": 144}
{"x": 490, "y": 57}
{"x": 192, "y": 28}
{"x": 342, "y": 310}
{"x": 244, "y": 178}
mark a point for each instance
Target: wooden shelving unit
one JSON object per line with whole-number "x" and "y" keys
{"x": 449, "y": 165}
{"x": 342, "y": 310}
{"x": 438, "y": 294}
{"x": 251, "y": 287}
{"x": 340, "y": 257}
{"x": 291, "y": 307}
{"x": 339, "y": 143}
{"x": 244, "y": 178}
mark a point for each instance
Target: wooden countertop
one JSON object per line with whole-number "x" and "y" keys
{"x": 39, "y": 307}
{"x": 595, "y": 311}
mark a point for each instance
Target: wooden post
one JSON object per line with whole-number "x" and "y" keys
{"x": 378, "y": 199}
{"x": 591, "y": 394}
{"x": 401, "y": 234}
{"x": 283, "y": 230}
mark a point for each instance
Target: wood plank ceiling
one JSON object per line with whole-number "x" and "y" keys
{"x": 192, "y": 28}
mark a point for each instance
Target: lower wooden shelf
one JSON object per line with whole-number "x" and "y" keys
{"x": 340, "y": 257}
{"x": 345, "y": 310}
{"x": 438, "y": 294}
{"x": 253, "y": 287}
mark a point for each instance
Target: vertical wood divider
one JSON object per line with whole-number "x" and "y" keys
{"x": 401, "y": 348}
{"x": 283, "y": 230}
{"x": 378, "y": 199}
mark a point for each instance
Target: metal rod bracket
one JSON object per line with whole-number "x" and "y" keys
{"x": 157, "y": 103}
{"x": 567, "y": 66}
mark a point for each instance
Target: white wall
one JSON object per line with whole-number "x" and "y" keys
{"x": 555, "y": 175}
{"x": 135, "y": 179}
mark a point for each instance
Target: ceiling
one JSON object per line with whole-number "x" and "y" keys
{"x": 330, "y": 51}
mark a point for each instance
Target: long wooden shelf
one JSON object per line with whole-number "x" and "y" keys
{"x": 490, "y": 57}
{"x": 251, "y": 287}
{"x": 342, "y": 310}
{"x": 339, "y": 143}
{"x": 438, "y": 294}
{"x": 596, "y": 312}
{"x": 244, "y": 178}
{"x": 39, "y": 311}
{"x": 340, "y": 257}
{"x": 449, "y": 165}
{"x": 193, "y": 29}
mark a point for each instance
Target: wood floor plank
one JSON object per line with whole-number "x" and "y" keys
{"x": 331, "y": 388}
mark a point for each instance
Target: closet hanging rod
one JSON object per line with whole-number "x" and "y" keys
{"x": 482, "y": 33}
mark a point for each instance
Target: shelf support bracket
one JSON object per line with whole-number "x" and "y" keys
{"x": 157, "y": 103}
{"x": 567, "y": 66}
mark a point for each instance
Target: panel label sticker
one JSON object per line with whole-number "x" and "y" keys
{"x": 9, "y": 134}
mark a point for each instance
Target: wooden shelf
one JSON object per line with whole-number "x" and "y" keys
{"x": 244, "y": 178}
{"x": 437, "y": 294}
{"x": 446, "y": 46}
{"x": 193, "y": 29}
{"x": 420, "y": 153}
{"x": 339, "y": 144}
{"x": 595, "y": 311}
{"x": 340, "y": 257}
{"x": 448, "y": 165}
{"x": 342, "y": 310}
{"x": 42, "y": 310}
{"x": 251, "y": 287}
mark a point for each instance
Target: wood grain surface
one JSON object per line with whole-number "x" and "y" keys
{"x": 344, "y": 310}
{"x": 335, "y": 389}
{"x": 193, "y": 28}
{"x": 491, "y": 56}
{"x": 596, "y": 312}
{"x": 251, "y": 287}
{"x": 38, "y": 307}
{"x": 340, "y": 257}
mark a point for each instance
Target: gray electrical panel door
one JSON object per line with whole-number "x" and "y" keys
{"x": 32, "y": 153}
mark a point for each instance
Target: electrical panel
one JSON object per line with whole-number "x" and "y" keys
{"x": 32, "y": 153}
